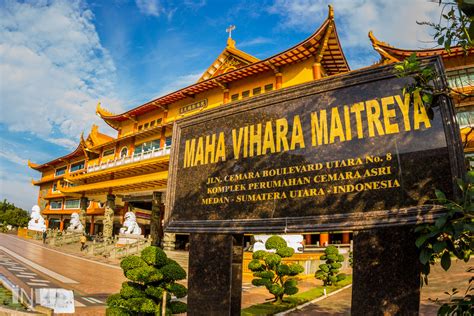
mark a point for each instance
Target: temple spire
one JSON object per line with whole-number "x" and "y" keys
{"x": 230, "y": 41}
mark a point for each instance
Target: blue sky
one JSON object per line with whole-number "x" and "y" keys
{"x": 59, "y": 58}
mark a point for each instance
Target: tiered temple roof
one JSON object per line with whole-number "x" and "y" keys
{"x": 323, "y": 45}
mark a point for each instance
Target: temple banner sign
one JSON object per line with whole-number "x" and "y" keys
{"x": 345, "y": 152}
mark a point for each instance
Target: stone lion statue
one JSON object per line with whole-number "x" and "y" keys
{"x": 37, "y": 221}
{"x": 75, "y": 224}
{"x": 130, "y": 225}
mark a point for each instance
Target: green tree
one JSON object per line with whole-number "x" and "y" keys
{"x": 152, "y": 275}
{"x": 452, "y": 234}
{"x": 269, "y": 271}
{"x": 12, "y": 215}
{"x": 455, "y": 26}
{"x": 329, "y": 272}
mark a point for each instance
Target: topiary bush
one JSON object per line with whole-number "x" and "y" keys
{"x": 329, "y": 271}
{"x": 269, "y": 271}
{"x": 150, "y": 274}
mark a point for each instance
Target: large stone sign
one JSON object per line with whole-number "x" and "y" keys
{"x": 347, "y": 152}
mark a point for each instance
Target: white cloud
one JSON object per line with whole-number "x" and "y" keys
{"x": 195, "y": 4}
{"x": 255, "y": 41}
{"x": 12, "y": 157}
{"x": 54, "y": 69}
{"x": 391, "y": 21}
{"x": 179, "y": 83}
{"x": 17, "y": 188}
{"x": 150, "y": 7}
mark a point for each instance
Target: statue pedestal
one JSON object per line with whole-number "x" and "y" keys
{"x": 126, "y": 239}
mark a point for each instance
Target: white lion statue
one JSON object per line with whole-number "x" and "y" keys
{"x": 75, "y": 224}
{"x": 130, "y": 225}
{"x": 37, "y": 221}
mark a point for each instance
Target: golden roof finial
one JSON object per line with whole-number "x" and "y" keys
{"x": 331, "y": 12}
{"x": 230, "y": 41}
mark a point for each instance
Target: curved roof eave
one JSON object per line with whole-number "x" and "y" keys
{"x": 394, "y": 54}
{"x": 38, "y": 167}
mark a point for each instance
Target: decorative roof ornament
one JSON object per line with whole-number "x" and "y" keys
{"x": 230, "y": 41}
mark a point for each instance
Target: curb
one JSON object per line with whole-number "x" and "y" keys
{"x": 313, "y": 301}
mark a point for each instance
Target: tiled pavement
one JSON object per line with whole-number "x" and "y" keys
{"x": 96, "y": 280}
{"x": 439, "y": 282}
{"x": 30, "y": 279}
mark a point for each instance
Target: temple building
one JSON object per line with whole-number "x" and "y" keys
{"x": 106, "y": 176}
{"x": 131, "y": 169}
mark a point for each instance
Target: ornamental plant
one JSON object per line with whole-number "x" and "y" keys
{"x": 151, "y": 275}
{"x": 269, "y": 271}
{"x": 329, "y": 271}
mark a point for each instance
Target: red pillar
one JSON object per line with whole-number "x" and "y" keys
{"x": 46, "y": 222}
{"x": 278, "y": 80}
{"x": 323, "y": 239}
{"x": 307, "y": 239}
{"x": 61, "y": 224}
{"x": 226, "y": 96}
{"x": 316, "y": 71}
{"x": 91, "y": 228}
{"x": 346, "y": 238}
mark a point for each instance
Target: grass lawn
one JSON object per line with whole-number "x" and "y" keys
{"x": 7, "y": 301}
{"x": 293, "y": 300}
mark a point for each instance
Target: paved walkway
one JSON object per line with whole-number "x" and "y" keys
{"x": 439, "y": 282}
{"x": 30, "y": 263}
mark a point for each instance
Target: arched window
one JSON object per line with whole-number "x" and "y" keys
{"x": 124, "y": 152}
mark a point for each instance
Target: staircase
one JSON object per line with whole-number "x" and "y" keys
{"x": 180, "y": 257}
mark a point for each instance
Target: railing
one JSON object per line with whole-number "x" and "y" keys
{"x": 58, "y": 239}
{"x": 157, "y": 152}
{"x": 110, "y": 249}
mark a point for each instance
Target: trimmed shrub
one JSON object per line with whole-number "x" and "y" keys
{"x": 329, "y": 271}
{"x": 269, "y": 271}
{"x": 151, "y": 275}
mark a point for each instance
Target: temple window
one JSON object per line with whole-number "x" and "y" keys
{"x": 465, "y": 118}
{"x": 168, "y": 141}
{"x": 72, "y": 204}
{"x": 77, "y": 166}
{"x": 140, "y": 127}
{"x": 147, "y": 147}
{"x": 257, "y": 91}
{"x": 245, "y": 94}
{"x": 108, "y": 152}
{"x": 56, "y": 204}
{"x": 234, "y": 97}
{"x": 55, "y": 187}
{"x": 145, "y": 126}
{"x": 461, "y": 78}
{"x": 61, "y": 171}
{"x": 124, "y": 152}
{"x": 152, "y": 123}
{"x": 268, "y": 87}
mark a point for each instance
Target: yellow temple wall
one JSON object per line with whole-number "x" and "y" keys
{"x": 47, "y": 174}
{"x": 252, "y": 82}
{"x": 149, "y": 138}
{"x": 214, "y": 98}
{"x": 297, "y": 73}
{"x": 127, "y": 128}
{"x": 151, "y": 116}
{"x": 459, "y": 62}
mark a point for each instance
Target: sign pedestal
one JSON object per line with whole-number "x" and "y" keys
{"x": 215, "y": 274}
{"x": 386, "y": 272}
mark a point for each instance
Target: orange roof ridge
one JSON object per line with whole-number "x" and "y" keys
{"x": 393, "y": 54}
{"x": 229, "y": 59}
{"x": 79, "y": 149}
